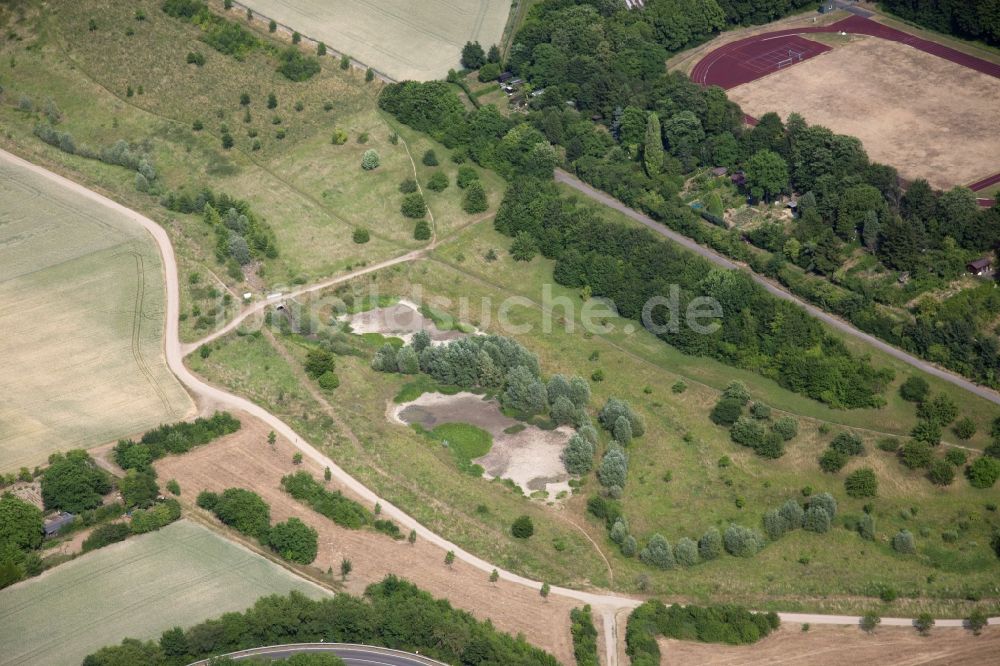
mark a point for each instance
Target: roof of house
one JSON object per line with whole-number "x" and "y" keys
{"x": 53, "y": 525}
{"x": 720, "y": 171}
{"x": 980, "y": 264}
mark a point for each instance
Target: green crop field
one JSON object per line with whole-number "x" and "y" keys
{"x": 178, "y": 576}
{"x": 403, "y": 39}
{"x": 81, "y": 310}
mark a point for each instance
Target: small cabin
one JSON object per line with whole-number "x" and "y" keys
{"x": 980, "y": 267}
{"x": 55, "y": 524}
{"x": 505, "y": 77}
{"x": 718, "y": 172}
{"x": 738, "y": 179}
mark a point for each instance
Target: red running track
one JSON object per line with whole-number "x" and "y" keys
{"x": 740, "y": 62}
{"x": 751, "y": 58}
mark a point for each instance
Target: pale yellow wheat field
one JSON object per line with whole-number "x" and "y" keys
{"x": 81, "y": 324}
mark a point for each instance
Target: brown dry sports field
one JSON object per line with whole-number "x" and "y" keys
{"x": 928, "y": 117}
{"x": 245, "y": 460}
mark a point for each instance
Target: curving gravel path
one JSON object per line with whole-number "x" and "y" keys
{"x": 605, "y": 604}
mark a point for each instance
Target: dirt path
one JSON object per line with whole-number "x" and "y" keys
{"x": 213, "y": 396}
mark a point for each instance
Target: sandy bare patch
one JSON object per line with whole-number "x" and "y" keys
{"x": 530, "y": 458}
{"x": 402, "y": 321}
{"x": 928, "y": 117}
{"x": 244, "y": 459}
{"x": 833, "y": 646}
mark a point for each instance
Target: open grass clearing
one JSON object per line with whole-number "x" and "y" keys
{"x": 403, "y": 40}
{"x": 178, "y": 576}
{"x": 928, "y": 117}
{"x": 245, "y": 459}
{"x": 81, "y": 308}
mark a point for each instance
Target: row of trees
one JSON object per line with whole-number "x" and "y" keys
{"x": 332, "y": 504}
{"x": 631, "y": 266}
{"x": 970, "y": 19}
{"x": 393, "y": 613}
{"x": 248, "y": 513}
{"x": 173, "y": 439}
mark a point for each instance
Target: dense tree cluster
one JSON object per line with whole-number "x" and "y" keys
{"x": 393, "y": 614}
{"x": 232, "y": 220}
{"x": 176, "y": 438}
{"x": 73, "y": 482}
{"x": 969, "y": 19}
{"x": 630, "y": 266}
{"x": 734, "y": 625}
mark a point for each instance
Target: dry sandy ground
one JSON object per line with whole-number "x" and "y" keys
{"x": 245, "y": 460}
{"x": 835, "y": 646}
{"x": 530, "y": 458}
{"x": 401, "y": 321}
{"x": 928, "y": 117}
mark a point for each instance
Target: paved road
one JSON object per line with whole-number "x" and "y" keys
{"x": 210, "y": 397}
{"x": 353, "y": 655}
{"x": 822, "y": 315}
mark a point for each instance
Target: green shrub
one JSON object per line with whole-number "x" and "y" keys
{"x": 964, "y": 428}
{"x": 916, "y": 454}
{"x": 983, "y": 472}
{"x": 438, "y": 181}
{"x": 360, "y": 236}
{"x": 915, "y": 389}
{"x": 104, "y": 535}
{"x": 738, "y": 391}
{"x": 584, "y": 637}
{"x": 294, "y": 541}
{"x": 710, "y": 544}
{"x": 832, "y": 461}
{"x": 904, "y": 543}
{"x": 413, "y": 206}
{"x": 297, "y": 67}
{"x": 407, "y": 186}
{"x": 927, "y": 431}
{"x": 370, "y": 160}
{"x": 430, "y": 158}
{"x": 742, "y": 541}
{"x": 848, "y": 443}
{"x": 862, "y": 483}
{"x": 816, "y": 520}
{"x": 207, "y": 500}
{"x": 245, "y": 511}
{"x": 941, "y": 472}
{"x": 787, "y": 427}
{"x": 474, "y": 200}
{"x": 523, "y": 527}
{"x": 726, "y": 412}
{"x": 466, "y": 176}
{"x": 658, "y": 553}
{"x": 956, "y": 457}
{"x": 422, "y": 230}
